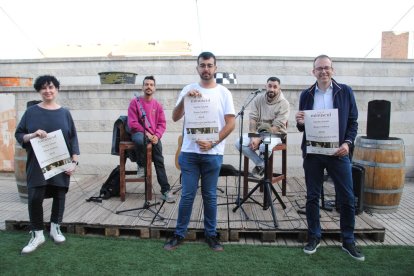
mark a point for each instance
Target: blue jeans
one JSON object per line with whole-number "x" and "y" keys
{"x": 193, "y": 166}
{"x": 157, "y": 158}
{"x": 340, "y": 170}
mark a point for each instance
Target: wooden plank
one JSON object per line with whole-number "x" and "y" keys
{"x": 373, "y": 223}
{"x": 237, "y": 219}
{"x": 222, "y": 208}
{"x": 405, "y": 231}
{"x": 242, "y": 218}
{"x": 263, "y": 218}
{"x": 169, "y": 211}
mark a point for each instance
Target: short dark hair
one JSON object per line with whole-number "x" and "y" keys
{"x": 206, "y": 55}
{"x": 45, "y": 79}
{"x": 321, "y": 56}
{"x": 148, "y": 78}
{"x": 273, "y": 79}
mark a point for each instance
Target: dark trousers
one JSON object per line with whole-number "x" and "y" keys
{"x": 157, "y": 158}
{"x": 36, "y": 195}
{"x": 340, "y": 170}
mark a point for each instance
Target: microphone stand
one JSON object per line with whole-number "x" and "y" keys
{"x": 147, "y": 205}
{"x": 241, "y": 114}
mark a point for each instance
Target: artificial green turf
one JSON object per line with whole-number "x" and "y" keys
{"x": 85, "y": 255}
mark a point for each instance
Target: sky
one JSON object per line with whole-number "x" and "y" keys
{"x": 338, "y": 28}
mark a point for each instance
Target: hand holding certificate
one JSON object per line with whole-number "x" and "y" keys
{"x": 322, "y": 132}
{"x": 52, "y": 154}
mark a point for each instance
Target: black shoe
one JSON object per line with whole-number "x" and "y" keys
{"x": 351, "y": 249}
{"x": 214, "y": 243}
{"x": 173, "y": 243}
{"x": 312, "y": 245}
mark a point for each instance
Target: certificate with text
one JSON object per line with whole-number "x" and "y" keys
{"x": 322, "y": 131}
{"x": 52, "y": 153}
{"x": 201, "y": 119}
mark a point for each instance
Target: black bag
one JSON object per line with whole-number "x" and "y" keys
{"x": 109, "y": 188}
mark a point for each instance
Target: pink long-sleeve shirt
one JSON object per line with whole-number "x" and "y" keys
{"x": 154, "y": 114}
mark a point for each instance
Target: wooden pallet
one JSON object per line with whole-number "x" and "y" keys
{"x": 91, "y": 218}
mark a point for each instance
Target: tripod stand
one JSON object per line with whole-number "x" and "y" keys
{"x": 147, "y": 205}
{"x": 266, "y": 184}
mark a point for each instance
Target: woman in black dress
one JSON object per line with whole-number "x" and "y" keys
{"x": 38, "y": 121}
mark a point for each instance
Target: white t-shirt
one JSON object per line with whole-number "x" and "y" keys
{"x": 225, "y": 106}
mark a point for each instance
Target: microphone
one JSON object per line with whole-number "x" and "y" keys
{"x": 143, "y": 114}
{"x": 256, "y": 92}
{"x": 140, "y": 106}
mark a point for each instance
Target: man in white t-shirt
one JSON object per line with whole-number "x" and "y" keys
{"x": 202, "y": 158}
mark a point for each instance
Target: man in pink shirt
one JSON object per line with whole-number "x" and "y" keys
{"x": 146, "y": 116}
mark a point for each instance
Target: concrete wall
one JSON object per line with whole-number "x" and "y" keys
{"x": 95, "y": 107}
{"x": 249, "y": 70}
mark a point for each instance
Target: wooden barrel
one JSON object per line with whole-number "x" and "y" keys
{"x": 384, "y": 162}
{"x": 20, "y": 158}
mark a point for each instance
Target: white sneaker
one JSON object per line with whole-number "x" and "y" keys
{"x": 37, "y": 239}
{"x": 167, "y": 196}
{"x": 140, "y": 171}
{"x": 56, "y": 234}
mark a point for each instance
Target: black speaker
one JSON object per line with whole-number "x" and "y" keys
{"x": 378, "y": 121}
{"x": 358, "y": 179}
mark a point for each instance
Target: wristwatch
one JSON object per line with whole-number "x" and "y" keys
{"x": 213, "y": 144}
{"x": 75, "y": 162}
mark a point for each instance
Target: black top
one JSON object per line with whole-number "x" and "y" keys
{"x": 36, "y": 118}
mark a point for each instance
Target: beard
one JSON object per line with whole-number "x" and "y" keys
{"x": 206, "y": 76}
{"x": 271, "y": 95}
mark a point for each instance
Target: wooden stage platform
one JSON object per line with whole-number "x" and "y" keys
{"x": 250, "y": 222}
